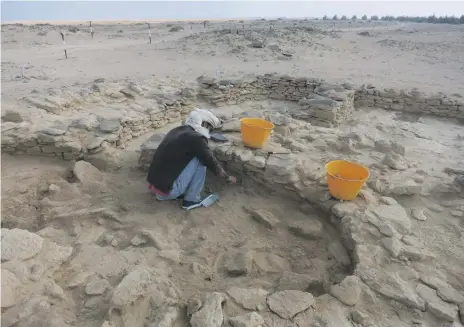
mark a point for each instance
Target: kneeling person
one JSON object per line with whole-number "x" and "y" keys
{"x": 178, "y": 168}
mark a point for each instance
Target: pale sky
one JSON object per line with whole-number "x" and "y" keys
{"x": 139, "y": 10}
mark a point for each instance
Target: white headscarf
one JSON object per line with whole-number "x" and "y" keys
{"x": 198, "y": 116}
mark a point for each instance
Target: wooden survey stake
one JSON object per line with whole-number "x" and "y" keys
{"x": 64, "y": 44}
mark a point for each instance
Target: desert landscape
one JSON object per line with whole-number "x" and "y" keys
{"x": 84, "y": 243}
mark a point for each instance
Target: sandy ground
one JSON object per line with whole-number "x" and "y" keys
{"x": 197, "y": 244}
{"x": 430, "y": 57}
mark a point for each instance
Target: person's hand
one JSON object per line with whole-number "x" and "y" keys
{"x": 231, "y": 180}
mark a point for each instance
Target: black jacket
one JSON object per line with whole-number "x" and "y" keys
{"x": 177, "y": 149}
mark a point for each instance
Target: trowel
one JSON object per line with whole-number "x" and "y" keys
{"x": 209, "y": 200}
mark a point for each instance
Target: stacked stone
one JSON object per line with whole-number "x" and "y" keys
{"x": 410, "y": 101}
{"x": 47, "y": 142}
{"x": 255, "y": 88}
{"x": 328, "y": 106}
{"x": 148, "y": 149}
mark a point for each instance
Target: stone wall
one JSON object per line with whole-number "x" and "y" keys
{"x": 321, "y": 103}
{"x": 72, "y": 137}
{"x": 315, "y": 97}
{"x": 412, "y": 101}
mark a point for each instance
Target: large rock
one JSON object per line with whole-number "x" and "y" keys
{"x": 109, "y": 125}
{"x": 449, "y": 294}
{"x": 406, "y": 187}
{"x": 309, "y": 229}
{"x": 35, "y": 306}
{"x": 166, "y": 318}
{"x": 299, "y": 282}
{"x": 394, "y": 215}
{"x": 395, "y": 161}
{"x": 249, "y": 298}
{"x": 148, "y": 149}
{"x": 86, "y": 173}
{"x": 251, "y": 319}
{"x": 19, "y": 244}
{"x": 238, "y": 263}
{"x": 210, "y": 315}
{"x": 136, "y": 284}
{"x": 12, "y": 116}
{"x": 10, "y": 284}
{"x": 270, "y": 262}
{"x": 348, "y": 291}
{"x": 435, "y": 305}
{"x": 265, "y": 218}
{"x": 288, "y": 303}
{"x": 391, "y": 286}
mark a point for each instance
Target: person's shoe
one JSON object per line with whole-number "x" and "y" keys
{"x": 180, "y": 197}
{"x": 189, "y": 205}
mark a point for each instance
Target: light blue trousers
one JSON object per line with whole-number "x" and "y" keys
{"x": 190, "y": 183}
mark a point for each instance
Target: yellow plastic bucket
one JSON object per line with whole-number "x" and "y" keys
{"x": 255, "y": 132}
{"x": 345, "y": 178}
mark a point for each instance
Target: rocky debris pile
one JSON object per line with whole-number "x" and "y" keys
{"x": 138, "y": 108}
{"x": 410, "y": 101}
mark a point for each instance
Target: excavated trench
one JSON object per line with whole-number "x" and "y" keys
{"x": 252, "y": 237}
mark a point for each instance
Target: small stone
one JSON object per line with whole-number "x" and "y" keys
{"x": 95, "y": 143}
{"x": 238, "y": 263}
{"x": 344, "y": 209}
{"x": 388, "y": 200}
{"x": 199, "y": 269}
{"x": 299, "y": 282}
{"x": 392, "y": 245}
{"x": 19, "y": 244}
{"x": 53, "y": 131}
{"x": 395, "y": 161}
{"x": 360, "y": 317}
{"x": 79, "y": 279}
{"x": 231, "y": 126}
{"x": 407, "y": 187}
{"x": 265, "y": 218}
{"x": 457, "y": 213}
{"x": 251, "y": 319}
{"x": 86, "y": 173}
{"x": 138, "y": 240}
{"x": 210, "y": 315}
{"x": 53, "y": 188}
{"x": 435, "y": 305}
{"x": 193, "y": 306}
{"x": 393, "y": 215}
{"x": 449, "y": 294}
{"x": 435, "y": 208}
{"x": 248, "y": 298}
{"x": 96, "y": 286}
{"x": 110, "y": 125}
{"x": 166, "y": 318}
{"x": 12, "y": 116}
{"x": 257, "y": 162}
{"x": 310, "y": 229}
{"x": 418, "y": 214}
{"x": 348, "y": 291}
{"x": 9, "y": 284}
{"x": 286, "y": 304}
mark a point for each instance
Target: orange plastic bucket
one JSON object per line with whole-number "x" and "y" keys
{"x": 255, "y": 132}
{"x": 345, "y": 178}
